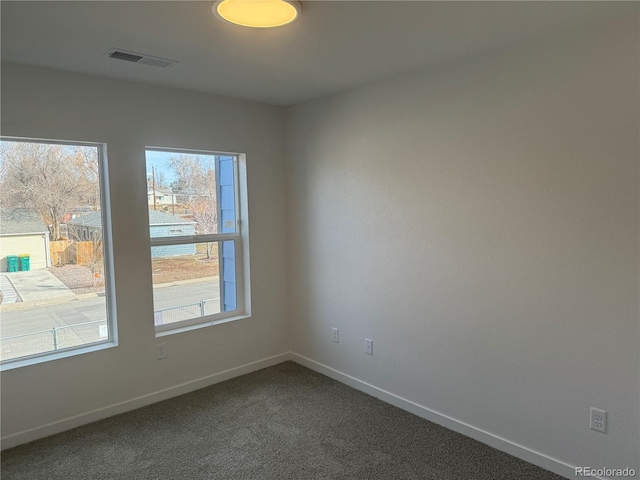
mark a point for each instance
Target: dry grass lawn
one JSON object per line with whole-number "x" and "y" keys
{"x": 184, "y": 267}
{"x": 165, "y": 270}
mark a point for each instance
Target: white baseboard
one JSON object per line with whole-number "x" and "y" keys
{"x": 507, "y": 446}
{"x": 134, "y": 403}
{"x": 485, "y": 437}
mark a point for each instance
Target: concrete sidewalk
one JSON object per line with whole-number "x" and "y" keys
{"x": 9, "y": 294}
{"x": 39, "y": 286}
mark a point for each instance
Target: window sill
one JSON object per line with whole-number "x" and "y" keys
{"x": 51, "y": 356}
{"x": 197, "y": 326}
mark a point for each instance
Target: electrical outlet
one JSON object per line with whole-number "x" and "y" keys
{"x": 368, "y": 346}
{"x": 598, "y": 420}
{"x": 162, "y": 351}
{"x": 335, "y": 335}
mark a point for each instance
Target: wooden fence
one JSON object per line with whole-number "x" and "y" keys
{"x": 65, "y": 252}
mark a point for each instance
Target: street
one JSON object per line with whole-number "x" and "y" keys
{"x": 27, "y": 329}
{"x": 165, "y": 296}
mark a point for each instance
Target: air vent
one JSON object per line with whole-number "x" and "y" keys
{"x": 127, "y": 57}
{"x": 134, "y": 57}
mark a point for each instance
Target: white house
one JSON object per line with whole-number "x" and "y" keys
{"x": 23, "y": 232}
{"x": 162, "y": 197}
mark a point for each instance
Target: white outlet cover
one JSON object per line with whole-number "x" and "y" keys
{"x": 162, "y": 351}
{"x": 598, "y": 420}
{"x": 368, "y": 346}
{"x": 335, "y": 335}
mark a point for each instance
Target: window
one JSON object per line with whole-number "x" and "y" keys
{"x": 55, "y": 268}
{"x": 198, "y": 239}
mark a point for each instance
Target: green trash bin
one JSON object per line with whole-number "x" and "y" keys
{"x": 12, "y": 263}
{"x": 25, "y": 261}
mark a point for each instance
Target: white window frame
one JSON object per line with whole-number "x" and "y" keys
{"x": 240, "y": 238}
{"x": 107, "y": 255}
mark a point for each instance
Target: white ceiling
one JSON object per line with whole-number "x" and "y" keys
{"x": 334, "y": 46}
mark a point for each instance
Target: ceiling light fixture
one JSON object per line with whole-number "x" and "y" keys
{"x": 258, "y": 13}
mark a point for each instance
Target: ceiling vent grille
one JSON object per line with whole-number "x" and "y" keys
{"x": 134, "y": 57}
{"x": 127, "y": 57}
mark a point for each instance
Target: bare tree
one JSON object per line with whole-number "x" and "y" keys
{"x": 50, "y": 179}
{"x": 195, "y": 181}
{"x": 161, "y": 180}
{"x": 89, "y": 190}
{"x": 95, "y": 262}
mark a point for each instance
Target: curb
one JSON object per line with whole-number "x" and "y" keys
{"x": 186, "y": 282}
{"x": 80, "y": 296}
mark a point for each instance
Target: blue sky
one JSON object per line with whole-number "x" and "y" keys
{"x": 160, "y": 160}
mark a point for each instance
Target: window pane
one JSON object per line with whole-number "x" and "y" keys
{"x": 186, "y": 285}
{"x": 195, "y": 187}
{"x": 52, "y": 275}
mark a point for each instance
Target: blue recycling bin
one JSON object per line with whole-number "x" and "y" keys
{"x": 12, "y": 263}
{"x": 25, "y": 262}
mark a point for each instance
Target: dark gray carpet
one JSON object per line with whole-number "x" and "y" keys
{"x": 283, "y": 422}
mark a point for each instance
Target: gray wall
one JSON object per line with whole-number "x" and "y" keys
{"x": 479, "y": 221}
{"x": 128, "y": 117}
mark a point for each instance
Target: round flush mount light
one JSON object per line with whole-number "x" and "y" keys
{"x": 258, "y": 13}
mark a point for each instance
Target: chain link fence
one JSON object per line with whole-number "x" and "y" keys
{"x": 53, "y": 339}
{"x": 186, "y": 312}
{"x": 57, "y": 338}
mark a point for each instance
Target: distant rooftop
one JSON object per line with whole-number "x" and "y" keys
{"x": 160, "y": 191}
{"x": 14, "y": 221}
{"x": 155, "y": 218}
{"x": 160, "y": 218}
{"x": 81, "y": 209}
